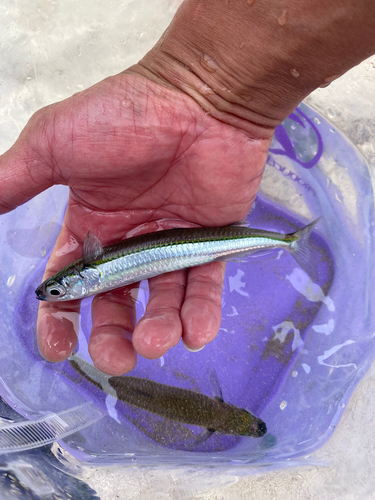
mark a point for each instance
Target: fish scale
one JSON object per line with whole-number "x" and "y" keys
{"x": 142, "y": 257}
{"x": 174, "y": 403}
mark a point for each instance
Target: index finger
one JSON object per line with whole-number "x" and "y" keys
{"x": 58, "y": 322}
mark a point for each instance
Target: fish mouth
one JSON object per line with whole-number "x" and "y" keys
{"x": 40, "y": 295}
{"x": 261, "y": 429}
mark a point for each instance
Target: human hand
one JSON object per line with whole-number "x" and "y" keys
{"x": 133, "y": 152}
{"x": 138, "y": 147}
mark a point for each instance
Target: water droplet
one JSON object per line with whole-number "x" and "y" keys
{"x": 283, "y": 405}
{"x": 342, "y": 405}
{"x": 206, "y": 90}
{"x": 208, "y": 63}
{"x": 11, "y": 280}
{"x": 294, "y": 373}
{"x": 317, "y": 121}
{"x": 294, "y": 72}
{"x": 328, "y": 80}
{"x": 283, "y": 18}
{"x": 330, "y": 113}
{"x": 306, "y": 367}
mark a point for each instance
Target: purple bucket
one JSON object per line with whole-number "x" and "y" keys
{"x": 289, "y": 350}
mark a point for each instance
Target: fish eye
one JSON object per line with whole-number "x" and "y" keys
{"x": 56, "y": 290}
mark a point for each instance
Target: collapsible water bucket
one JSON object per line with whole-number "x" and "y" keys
{"x": 291, "y": 350}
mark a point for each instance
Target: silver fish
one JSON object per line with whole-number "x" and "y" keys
{"x": 175, "y": 403}
{"x": 142, "y": 257}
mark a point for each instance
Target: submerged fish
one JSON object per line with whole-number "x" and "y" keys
{"x": 175, "y": 403}
{"x": 142, "y": 257}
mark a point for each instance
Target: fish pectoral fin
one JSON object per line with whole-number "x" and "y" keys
{"x": 92, "y": 248}
{"x": 77, "y": 272}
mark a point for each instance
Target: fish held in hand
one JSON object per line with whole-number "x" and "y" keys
{"x": 142, "y": 257}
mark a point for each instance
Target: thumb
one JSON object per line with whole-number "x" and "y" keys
{"x": 25, "y": 169}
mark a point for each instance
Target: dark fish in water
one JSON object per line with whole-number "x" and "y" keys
{"x": 142, "y": 257}
{"x": 181, "y": 405}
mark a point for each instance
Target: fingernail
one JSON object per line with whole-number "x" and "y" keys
{"x": 192, "y": 350}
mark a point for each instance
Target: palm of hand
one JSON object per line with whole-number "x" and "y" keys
{"x": 134, "y": 152}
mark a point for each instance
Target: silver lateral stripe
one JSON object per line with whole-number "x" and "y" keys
{"x": 155, "y": 261}
{"x": 142, "y": 257}
{"x": 183, "y": 255}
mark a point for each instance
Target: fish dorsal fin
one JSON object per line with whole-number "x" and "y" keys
{"x": 215, "y": 386}
{"x": 240, "y": 223}
{"x": 92, "y": 248}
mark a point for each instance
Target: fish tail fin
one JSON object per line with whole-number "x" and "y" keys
{"x": 86, "y": 370}
{"x": 301, "y": 251}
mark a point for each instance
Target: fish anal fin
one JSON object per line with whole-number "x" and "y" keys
{"x": 236, "y": 257}
{"x": 206, "y": 434}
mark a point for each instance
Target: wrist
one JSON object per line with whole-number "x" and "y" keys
{"x": 251, "y": 65}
